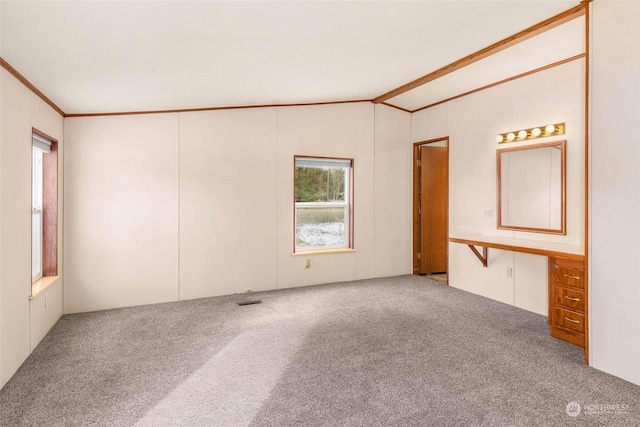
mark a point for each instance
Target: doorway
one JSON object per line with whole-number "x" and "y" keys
{"x": 431, "y": 208}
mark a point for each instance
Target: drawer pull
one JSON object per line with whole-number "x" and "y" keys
{"x": 572, "y": 299}
{"x": 571, "y": 320}
{"x": 572, "y": 277}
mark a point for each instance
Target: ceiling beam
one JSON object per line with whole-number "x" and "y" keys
{"x": 523, "y": 35}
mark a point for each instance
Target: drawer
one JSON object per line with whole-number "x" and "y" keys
{"x": 573, "y": 337}
{"x": 568, "y": 276}
{"x": 569, "y": 320}
{"x": 569, "y": 298}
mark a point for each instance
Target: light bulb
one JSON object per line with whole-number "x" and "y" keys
{"x": 499, "y": 138}
{"x": 511, "y": 136}
{"x": 550, "y": 129}
{"x": 522, "y": 134}
{"x": 536, "y": 131}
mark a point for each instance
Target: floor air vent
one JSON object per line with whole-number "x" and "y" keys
{"x": 257, "y": 301}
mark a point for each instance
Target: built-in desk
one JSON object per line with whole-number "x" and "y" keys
{"x": 567, "y": 285}
{"x": 555, "y": 250}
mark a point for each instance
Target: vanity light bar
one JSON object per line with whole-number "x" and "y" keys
{"x": 532, "y": 133}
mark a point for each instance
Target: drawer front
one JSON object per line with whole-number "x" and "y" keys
{"x": 569, "y": 320}
{"x": 568, "y": 276}
{"x": 573, "y": 337}
{"x": 569, "y": 298}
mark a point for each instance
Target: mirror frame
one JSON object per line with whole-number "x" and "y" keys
{"x": 563, "y": 188}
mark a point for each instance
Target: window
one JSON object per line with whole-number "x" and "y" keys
{"x": 44, "y": 212}
{"x": 323, "y": 204}
{"x": 36, "y": 213}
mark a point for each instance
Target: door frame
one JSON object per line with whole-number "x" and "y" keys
{"x": 416, "y": 201}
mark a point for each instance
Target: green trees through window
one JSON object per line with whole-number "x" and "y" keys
{"x": 320, "y": 184}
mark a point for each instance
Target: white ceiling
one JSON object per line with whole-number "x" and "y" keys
{"x": 115, "y": 56}
{"x": 555, "y": 45}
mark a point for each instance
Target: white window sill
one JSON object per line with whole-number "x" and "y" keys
{"x": 324, "y": 252}
{"x": 40, "y": 285}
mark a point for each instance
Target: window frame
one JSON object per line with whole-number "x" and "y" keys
{"x": 49, "y": 209}
{"x": 349, "y": 201}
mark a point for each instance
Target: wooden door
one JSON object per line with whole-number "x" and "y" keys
{"x": 433, "y": 199}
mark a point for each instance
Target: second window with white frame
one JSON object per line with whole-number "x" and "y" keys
{"x": 323, "y": 204}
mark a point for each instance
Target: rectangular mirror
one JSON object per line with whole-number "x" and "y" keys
{"x": 531, "y": 188}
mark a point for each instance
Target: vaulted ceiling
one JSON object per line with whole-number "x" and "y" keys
{"x": 119, "y": 56}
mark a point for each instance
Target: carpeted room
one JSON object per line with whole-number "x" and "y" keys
{"x": 177, "y": 140}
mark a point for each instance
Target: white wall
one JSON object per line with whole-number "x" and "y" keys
{"x": 121, "y": 205}
{"x": 394, "y": 192}
{"x": 615, "y": 189}
{"x": 23, "y": 323}
{"x": 16, "y": 224}
{"x": 472, "y": 122}
{"x": 227, "y": 202}
{"x": 178, "y": 206}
